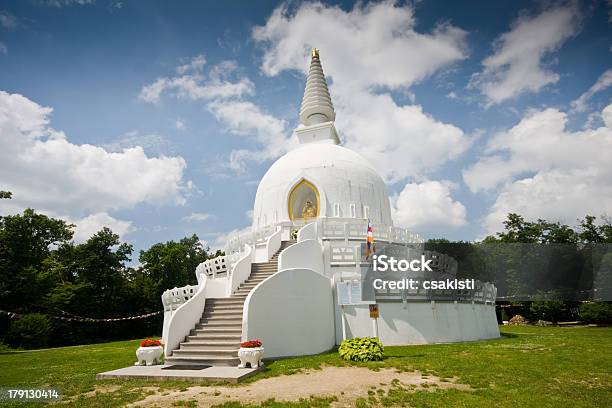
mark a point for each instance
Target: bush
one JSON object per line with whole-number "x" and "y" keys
{"x": 596, "y": 312}
{"x": 361, "y": 349}
{"x": 30, "y": 331}
{"x": 551, "y": 310}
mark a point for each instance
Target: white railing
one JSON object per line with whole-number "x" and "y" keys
{"x": 184, "y": 318}
{"x": 173, "y": 298}
{"x": 214, "y": 266}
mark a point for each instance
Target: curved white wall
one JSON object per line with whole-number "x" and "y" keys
{"x": 241, "y": 271}
{"x": 305, "y": 254}
{"x": 421, "y": 322}
{"x": 292, "y": 313}
{"x": 183, "y": 319}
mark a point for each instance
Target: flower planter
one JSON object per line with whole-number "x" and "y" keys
{"x": 251, "y": 356}
{"x": 149, "y": 355}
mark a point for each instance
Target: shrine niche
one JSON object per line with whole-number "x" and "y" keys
{"x": 303, "y": 201}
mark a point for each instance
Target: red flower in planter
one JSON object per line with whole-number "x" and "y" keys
{"x": 150, "y": 343}
{"x": 251, "y": 344}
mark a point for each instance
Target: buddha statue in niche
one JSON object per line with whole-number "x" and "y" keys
{"x": 309, "y": 210}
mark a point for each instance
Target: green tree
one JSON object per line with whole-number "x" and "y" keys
{"x": 172, "y": 264}
{"x": 92, "y": 276}
{"x": 26, "y": 241}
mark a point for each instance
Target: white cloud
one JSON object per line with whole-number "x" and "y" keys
{"x": 543, "y": 170}
{"x": 603, "y": 82}
{"x": 374, "y": 44}
{"x": 427, "y": 206}
{"x": 400, "y": 140}
{"x": 47, "y": 172}
{"x": 197, "y": 217}
{"x": 517, "y": 64}
{"x": 87, "y": 226}
{"x": 67, "y": 3}
{"x": 367, "y": 51}
{"x": 244, "y": 118}
{"x": 7, "y": 20}
{"x": 3, "y": 48}
{"x": 195, "y": 65}
{"x": 193, "y": 84}
{"x": 179, "y": 124}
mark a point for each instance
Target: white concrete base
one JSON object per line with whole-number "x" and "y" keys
{"x": 421, "y": 322}
{"x": 216, "y": 374}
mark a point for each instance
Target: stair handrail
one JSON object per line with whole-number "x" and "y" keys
{"x": 184, "y": 319}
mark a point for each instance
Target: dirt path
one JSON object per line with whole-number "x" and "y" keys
{"x": 345, "y": 383}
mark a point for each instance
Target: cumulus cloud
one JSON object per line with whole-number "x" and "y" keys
{"x": 427, "y": 206}
{"x": 244, "y": 118}
{"x": 367, "y": 52}
{"x": 541, "y": 169}
{"x": 225, "y": 100}
{"x": 87, "y": 226}
{"x": 192, "y": 83}
{"x": 517, "y": 66}
{"x": 45, "y": 171}
{"x": 603, "y": 82}
{"x": 3, "y": 48}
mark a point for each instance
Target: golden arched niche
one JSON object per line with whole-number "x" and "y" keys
{"x": 304, "y": 202}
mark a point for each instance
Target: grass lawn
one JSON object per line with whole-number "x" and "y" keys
{"x": 528, "y": 367}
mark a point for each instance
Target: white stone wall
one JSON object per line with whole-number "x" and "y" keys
{"x": 292, "y": 312}
{"x": 421, "y": 322}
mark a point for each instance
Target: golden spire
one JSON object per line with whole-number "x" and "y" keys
{"x": 315, "y": 53}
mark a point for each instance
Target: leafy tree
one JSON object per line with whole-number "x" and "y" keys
{"x": 26, "y": 241}
{"x": 92, "y": 276}
{"x": 172, "y": 264}
{"x": 5, "y": 195}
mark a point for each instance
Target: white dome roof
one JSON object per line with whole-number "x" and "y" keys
{"x": 347, "y": 184}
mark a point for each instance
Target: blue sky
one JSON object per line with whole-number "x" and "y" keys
{"x": 159, "y": 118}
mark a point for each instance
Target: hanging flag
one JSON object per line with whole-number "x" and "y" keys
{"x": 370, "y": 241}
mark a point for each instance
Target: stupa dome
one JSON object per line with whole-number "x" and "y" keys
{"x": 344, "y": 184}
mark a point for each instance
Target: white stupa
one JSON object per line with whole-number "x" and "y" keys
{"x": 296, "y": 281}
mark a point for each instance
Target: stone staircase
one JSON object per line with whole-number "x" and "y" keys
{"x": 216, "y": 338}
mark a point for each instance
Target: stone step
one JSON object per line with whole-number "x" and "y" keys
{"x": 223, "y": 319}
{"x": 214, "y": 361}
{"x": 219, "y": 336}
{"x": 223, "y": 314}
{"x": 206, "y": 353}
{"x": 226, "y": 302}
{"x": 215, "y": 344}
{"x": 217, "y": 330}
{"x": 237, "y": 324}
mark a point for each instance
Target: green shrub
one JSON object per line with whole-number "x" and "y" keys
{"x": 551, "y": 310}
{"x": 361, "y": 349}
{"x": 596, "y": 312}
{"x": 30, "y": 331}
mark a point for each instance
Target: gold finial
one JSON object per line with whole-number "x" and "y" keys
{"x": 315, "y": 53}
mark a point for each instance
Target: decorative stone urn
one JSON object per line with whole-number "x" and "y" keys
{"x": 250, "y": 355}
{"x": 149, "y": 355}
